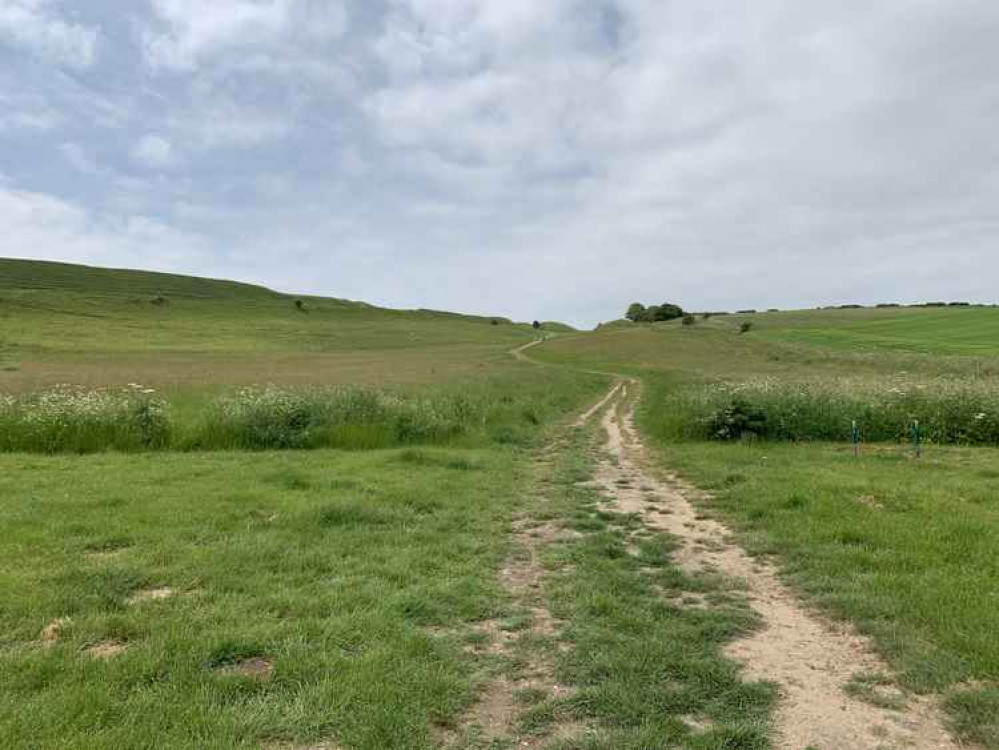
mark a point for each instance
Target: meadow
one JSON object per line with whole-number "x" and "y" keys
{"x": 902, "y": 548}
{"x": 236, "y": 518}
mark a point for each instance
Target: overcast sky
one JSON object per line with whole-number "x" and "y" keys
{"x": 551, "y": 159}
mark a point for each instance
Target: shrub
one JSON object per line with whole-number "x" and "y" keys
{"x": 737, "y": 421}
{"x": 301, "y": 306}
{"x": 745, "y": 327}
{"x": 689, "y": 320}
{"x": 159, "y": 301}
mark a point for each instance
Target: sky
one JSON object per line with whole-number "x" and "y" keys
{"x": 540, "y": 159}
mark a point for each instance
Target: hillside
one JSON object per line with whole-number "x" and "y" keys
{"x": 62, "y": 323}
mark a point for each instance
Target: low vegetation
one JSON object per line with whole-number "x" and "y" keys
{"x": 948, "y": 412}
{"x": 221, "y": 572}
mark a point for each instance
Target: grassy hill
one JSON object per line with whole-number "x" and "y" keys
{"x": 951, "y": 330}
{"x": 63, "y": 323}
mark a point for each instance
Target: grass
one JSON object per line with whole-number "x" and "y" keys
{"x": 904, "y": 549}
{"x": 502, "y": 409}
{"x": 96, "y": 328}
{"x": 331, "y": 596}
{"x": 332, "y": 567}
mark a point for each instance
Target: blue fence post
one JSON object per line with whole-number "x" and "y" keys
{"x": 856, "y": 439}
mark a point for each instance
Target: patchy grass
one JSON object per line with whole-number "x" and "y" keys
{"x": 646, "y": 671}
{"x": 305, "y": 588}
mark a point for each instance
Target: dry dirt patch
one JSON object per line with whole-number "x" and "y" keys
{"x": 257, "y": 667}
{"x": 106, "y": 650}
{"x": 151, "y": 595}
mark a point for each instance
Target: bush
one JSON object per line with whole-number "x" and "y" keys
{"x": 745, "y": 327}
{"x": 689, "y": 320}
{"x": 737, "y": 421}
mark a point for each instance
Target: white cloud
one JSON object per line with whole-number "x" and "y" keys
{"x": 37, "y": 26}
{"x": 154, "y": 152}
{"x": 37, "y": 121}
{"x": 192, "y": 30}
{"x": 37, "y": 225}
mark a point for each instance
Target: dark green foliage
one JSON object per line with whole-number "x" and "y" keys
{"x": 639, "y": 313}
{"x": 745, "y": 327}
{"x": 737, "y": 421}
{"x": 689, "y": 320}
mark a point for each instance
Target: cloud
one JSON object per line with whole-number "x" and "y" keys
{"x": 40, "y": 226}
{"x": 547, "y": 159}
{"x": 154, "y": 152}
{"x": 191, "y": 31}
{"x": 38, "y": 27}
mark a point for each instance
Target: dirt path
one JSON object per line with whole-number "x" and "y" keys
{"x": 811, "y": 660}
{"x": 526, "y": 653}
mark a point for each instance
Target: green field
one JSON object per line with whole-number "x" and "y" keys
{"x": 392, "y": 541}
{"x": 952, "y": 330}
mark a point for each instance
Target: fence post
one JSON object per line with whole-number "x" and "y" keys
{"x": 856, "y": 439}
{"x": 917, "y": 440}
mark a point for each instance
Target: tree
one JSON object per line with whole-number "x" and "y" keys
{"x": 668, "y": 311}
{"x": 636, "y": 312}
{"x": 537, "y": 325}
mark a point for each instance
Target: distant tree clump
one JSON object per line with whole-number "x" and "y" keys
{"x": 494, "y": 322}
{"x": 746, "y": 312}
{"x": 639, "y": 313}
{"x": 886, "y": 305}
{"x": 706, "y": 316}
{"x": 636, "y": 312}
{"x": 537, "y": 325}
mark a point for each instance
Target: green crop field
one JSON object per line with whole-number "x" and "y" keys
{"x": 235, "y": 518}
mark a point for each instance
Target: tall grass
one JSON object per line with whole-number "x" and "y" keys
{"x": 948, "y": 411}
{"x": 505, "y": 410}
{"x": 71, "y": 420}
